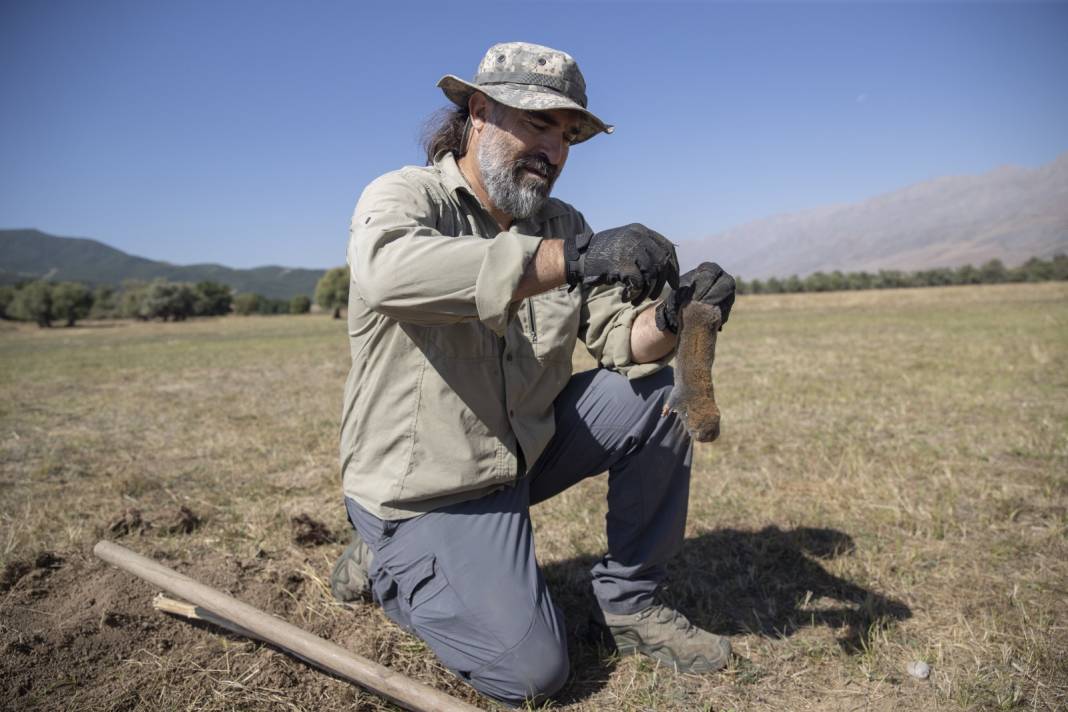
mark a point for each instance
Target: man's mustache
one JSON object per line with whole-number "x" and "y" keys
{"x": 540, "y": 165}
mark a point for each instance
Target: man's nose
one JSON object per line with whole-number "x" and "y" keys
{"x": 554, "y": 149}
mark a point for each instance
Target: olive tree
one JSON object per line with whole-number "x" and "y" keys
{"x": 212, "y": 299}
{"x": 71, "y": 301}
{"x": 993, "y": 272}
{"x": 299, "y": 304}
{"x": 247, "y": 303}
{"x": 33, "y": 302}
{"x": 7, "y": 294}
{"x": 332, "y": 291}
{"x": 167, "y": 301}
{"x": 105, "y": 303}
{"x": 129, "y": 302}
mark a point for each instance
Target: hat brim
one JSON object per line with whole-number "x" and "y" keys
{"x": 526, "y": 97}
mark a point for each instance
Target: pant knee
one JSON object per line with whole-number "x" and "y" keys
{"x": 545, "y": 674}
{"x": 536, "y": 668}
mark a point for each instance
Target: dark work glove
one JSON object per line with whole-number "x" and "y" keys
{"x": 641, "y": 259}
{"x": 708, "y": 283}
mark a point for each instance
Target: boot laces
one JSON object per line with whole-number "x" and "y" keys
{"x": 667, "y": 614}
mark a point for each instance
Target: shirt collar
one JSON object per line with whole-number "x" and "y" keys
{"x": 451, "y": 176}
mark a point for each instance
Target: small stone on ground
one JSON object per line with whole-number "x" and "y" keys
{"x": 919, "y": 669}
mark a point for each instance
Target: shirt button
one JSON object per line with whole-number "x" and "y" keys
{"x": 508, "y": 357}
{"x": 511, "y": 413}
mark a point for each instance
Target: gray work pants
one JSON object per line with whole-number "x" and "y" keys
{"x": 464, "y": 577}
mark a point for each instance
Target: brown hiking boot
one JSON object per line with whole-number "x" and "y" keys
{"x": 668, "y": 637}
{"x": 349, "y": 580}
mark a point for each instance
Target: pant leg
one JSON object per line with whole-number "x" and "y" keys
{"x": 464, "y": 579}
{"x": 606, "y": 422}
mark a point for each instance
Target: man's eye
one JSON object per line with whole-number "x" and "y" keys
{"x": 537, "y": 126}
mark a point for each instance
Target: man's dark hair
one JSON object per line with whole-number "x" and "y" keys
{"x": 444, "y": 131}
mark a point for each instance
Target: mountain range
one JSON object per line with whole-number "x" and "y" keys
{"x": 32, "y": 254}
{"x": 1010, "y": 213}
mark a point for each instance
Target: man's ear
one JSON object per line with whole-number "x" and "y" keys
{"x": 479, "y": 107}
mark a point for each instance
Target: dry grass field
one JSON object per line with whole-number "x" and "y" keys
{"x": 891, "y": 485}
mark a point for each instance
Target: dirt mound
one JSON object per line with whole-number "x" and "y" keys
{"x": 15, "y": 571}
{"x": 79, "y": 634}
{"x": 311, "y": 532}
{"x": 175, "y": 521}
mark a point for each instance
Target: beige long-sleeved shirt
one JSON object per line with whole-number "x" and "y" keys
{"x": 450, "y": 379}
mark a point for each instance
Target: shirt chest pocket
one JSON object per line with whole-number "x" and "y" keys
{"x": 551, "y": 322}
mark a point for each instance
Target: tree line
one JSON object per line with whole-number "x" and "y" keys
{"x": 48, "y": 303}
{"x": 992, "y": 272}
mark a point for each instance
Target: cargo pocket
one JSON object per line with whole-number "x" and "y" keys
{"x": 419, "y": 583}
{"x": 433, "y": 610}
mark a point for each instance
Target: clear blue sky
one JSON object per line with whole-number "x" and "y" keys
{"x": 242, "y": 132}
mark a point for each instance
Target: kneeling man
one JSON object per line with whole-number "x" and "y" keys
{"x": 470, "y": 287}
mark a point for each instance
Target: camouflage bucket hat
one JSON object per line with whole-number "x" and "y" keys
{"x": 528, "y": 77}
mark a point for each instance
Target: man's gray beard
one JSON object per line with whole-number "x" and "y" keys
{"x": 503, "y": 181}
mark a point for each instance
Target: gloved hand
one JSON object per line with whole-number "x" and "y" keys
{"x": 708, "y": 283}
{"x": 641, "y": 259}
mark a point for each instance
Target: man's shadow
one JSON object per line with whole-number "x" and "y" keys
{"x": 769, "y": 582}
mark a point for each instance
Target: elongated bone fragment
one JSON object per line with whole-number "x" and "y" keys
{"x": 247, "y": 620}
{"x": 693, "y": 397}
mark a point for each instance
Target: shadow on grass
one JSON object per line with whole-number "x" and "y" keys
{"x": 770, "y": 582}
{"x": 96, "y": 324}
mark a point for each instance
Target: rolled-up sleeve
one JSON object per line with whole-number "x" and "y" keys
{"x": 404, "y": 267}
{"x": 605, "y": 329}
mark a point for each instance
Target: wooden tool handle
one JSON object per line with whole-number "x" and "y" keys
{"x": 322, "y": 653}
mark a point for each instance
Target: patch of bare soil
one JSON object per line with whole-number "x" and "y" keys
{"x": 77, "y": 633}
{"x": 85, "y": 631}
{"x": 178, "y": 521}
{"x": 311, "y": 532}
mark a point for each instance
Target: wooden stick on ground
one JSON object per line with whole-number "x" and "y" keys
{"x": 214, "y": 606}
{"x": 165, "y": 604}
